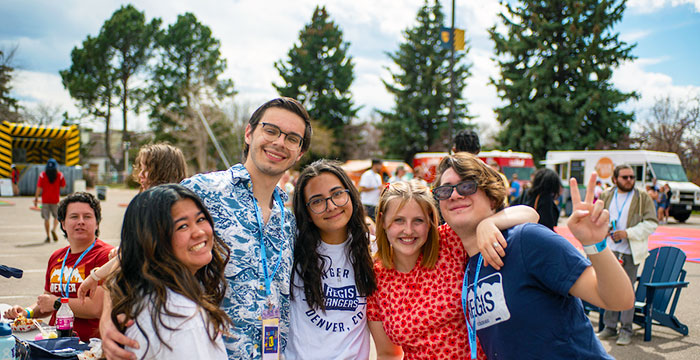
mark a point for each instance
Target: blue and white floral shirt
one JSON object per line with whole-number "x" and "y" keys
{"x": 228, "y": 195}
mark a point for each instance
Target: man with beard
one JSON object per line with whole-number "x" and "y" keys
{"x": 249, "y": 215}
{"x": 632, "y": 220}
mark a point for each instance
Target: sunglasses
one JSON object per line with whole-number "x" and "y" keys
{"x": 627, "y": 177}
{"x": 465, "y": 188}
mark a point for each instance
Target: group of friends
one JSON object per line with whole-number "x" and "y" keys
{"x": 217, "y": 267}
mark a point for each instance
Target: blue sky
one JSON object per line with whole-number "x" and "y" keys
{"x": 254, "y": 34}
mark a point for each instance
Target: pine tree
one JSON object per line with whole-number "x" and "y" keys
{"x": 9, "y": 106}
{"x": 419, "y": 118}
{"x": 318, "y": 72}
{"x": 556, "y": 63}
{"x": 188, "y": 75}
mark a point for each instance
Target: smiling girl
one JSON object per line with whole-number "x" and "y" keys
{"x": 332, "y": 268}
{"x": 416, "y": 312}
{"x": 171, "y": 279}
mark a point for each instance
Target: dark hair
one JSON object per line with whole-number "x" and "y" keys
{"x": 308, "y": 263}
{"x": 467, "y": 140}
{"x": 149, "y": 266}
{"x": 376, "y": 162}
{"x": 546, "y": 181}
{"x": 618, "y": 168}
{"x": 284, "y": 103}
{"x": 165, "y": 164}
{"x": 83, "y": 197}
{"x": 51, "y": 170}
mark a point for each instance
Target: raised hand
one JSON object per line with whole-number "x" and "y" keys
{"x": 588, "y": 222}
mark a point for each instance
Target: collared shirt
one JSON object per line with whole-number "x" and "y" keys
{"x": 228, "y": 195}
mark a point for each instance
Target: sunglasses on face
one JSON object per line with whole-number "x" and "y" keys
{"x": 465, "y": 188}
{"x": 627, "y": 177}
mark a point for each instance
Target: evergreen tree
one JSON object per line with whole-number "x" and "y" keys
{"x": 187, "y": 76}
{"x": 318, "y": 72}
{"x": 419, "y": 118}
{"x": 9, "y": 106}
{"x": 556, "y": 63}
{"x": 102, "y": 72}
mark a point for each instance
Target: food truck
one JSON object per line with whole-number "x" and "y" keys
{"x": 647, "y": 165}
{"x": 509, "y": 162}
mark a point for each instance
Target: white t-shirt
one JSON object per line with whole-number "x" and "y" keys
{"x": 372, "y": 180}
{"x": 619, "y": 210}
{"x": 341, "y": 331}
{"x": 189, "y": 341}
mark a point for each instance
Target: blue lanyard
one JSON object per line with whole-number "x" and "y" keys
{"x": 60, "y": 280}
{"x": 471, "y": 324}
{"x": 263, "y": 253}
{"x": 619, "y": 210}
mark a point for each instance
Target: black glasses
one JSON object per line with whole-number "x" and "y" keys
{"x": 271, "y": 132}
{"x": 320, "y": 204}
{"x": 627, "y": 177}
{"x": 465, "y": 188}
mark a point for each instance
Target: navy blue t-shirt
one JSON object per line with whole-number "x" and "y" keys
{"x": 524, "y": 311}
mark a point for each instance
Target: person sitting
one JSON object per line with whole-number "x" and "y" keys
{"x": 156, "y": 164}
{"x": 79, "y": 215}
{"x": 171, "y": 279}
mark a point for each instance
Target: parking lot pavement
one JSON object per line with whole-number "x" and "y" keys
{"x": 22, "y": 236}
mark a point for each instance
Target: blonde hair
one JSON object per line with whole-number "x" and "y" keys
{"x": 165, "y": 164}
{"x": 470, "y": 167}
{"x": 405, "y": 192}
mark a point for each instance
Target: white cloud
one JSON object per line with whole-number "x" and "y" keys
{"x": 650, "y": 6}
{"x": 634, "y": 36}
{"x": 649, "y": 85}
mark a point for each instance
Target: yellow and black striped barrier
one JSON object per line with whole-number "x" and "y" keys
{"x": 40, "y": 143}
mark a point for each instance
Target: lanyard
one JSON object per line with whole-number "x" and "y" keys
{"x": 60, "y": 280}
{"x": 619, "y": 210}
{"x": 263, "y": 253}
{"x": 471, "y": 323}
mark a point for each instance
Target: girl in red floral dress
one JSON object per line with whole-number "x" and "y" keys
{"x": 416, "y": 312}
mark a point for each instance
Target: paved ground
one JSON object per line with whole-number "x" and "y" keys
{"x": 22, "y": 235}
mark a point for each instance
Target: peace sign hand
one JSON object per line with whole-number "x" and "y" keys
{"x": 588, "y": 222}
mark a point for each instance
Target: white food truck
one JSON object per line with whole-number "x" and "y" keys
{"x": 665, "y": 167}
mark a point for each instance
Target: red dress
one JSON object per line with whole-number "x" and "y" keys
{"x": 421, "y": 311}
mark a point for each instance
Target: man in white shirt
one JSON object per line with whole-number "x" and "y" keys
{"x": 370, "y": 187}
{"x": 632, "y": 220}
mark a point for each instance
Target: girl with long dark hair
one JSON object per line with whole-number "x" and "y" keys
{"x": 171, "y": 279}
{"x": 545, "y": 188}
{"x": 332, "y": 270}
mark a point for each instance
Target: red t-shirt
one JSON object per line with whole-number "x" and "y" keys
{"x": 97, "y": 256}
{"x": 51, "y": 192}
{"x": 422, "y": 310}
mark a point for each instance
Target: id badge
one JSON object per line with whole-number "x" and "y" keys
{"x": 271, "y": 333}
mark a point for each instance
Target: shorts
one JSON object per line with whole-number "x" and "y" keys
{"x": 49, "y": 209}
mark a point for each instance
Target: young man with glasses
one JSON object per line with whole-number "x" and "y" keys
{"x": 527, "y": 307}
{"x": 632, "y": 220}
{"x": 249, "y": 215}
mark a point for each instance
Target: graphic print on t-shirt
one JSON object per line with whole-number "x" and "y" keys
{"x": 490, "y": 307}
{"x": 76, "y": 277}
{"x": 338, "y": 298}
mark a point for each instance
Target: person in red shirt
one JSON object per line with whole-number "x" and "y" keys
{"x": 49, "y": 186}
{"x": 15, "y": 180}
{"x": 79, "y": 215}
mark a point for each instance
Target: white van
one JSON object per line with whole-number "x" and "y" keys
{"x": 665, "y": 167}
